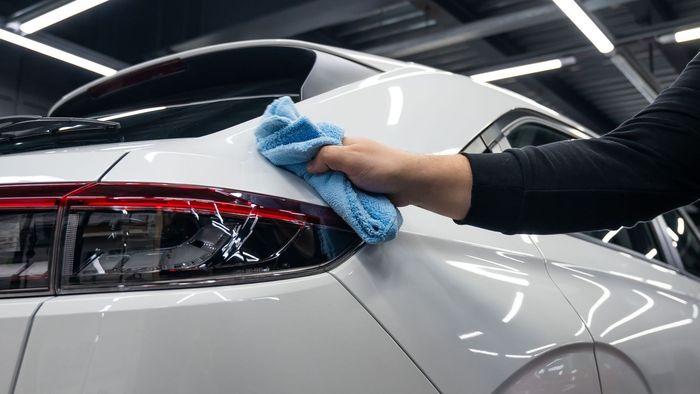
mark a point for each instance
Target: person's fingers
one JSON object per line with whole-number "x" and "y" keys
{"x": 350, "y": 140}
{"x": 330, "y": 157}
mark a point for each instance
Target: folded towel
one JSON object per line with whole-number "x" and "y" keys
{"x": 289, "y": 140}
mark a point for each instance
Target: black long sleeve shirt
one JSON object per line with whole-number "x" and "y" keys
{"x": 648, "y": 165}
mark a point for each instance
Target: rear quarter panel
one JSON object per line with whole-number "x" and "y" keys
{"x": 642, "y": 315}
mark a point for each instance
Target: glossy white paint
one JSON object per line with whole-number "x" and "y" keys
{"x": 56, "y": 166}
{"x": 469, "y": 306}
{"x": 415, "y": 122}
{"x": 15, "y": 317}
{"x": 304, "y": 335}
{"x": 643, "y": 316}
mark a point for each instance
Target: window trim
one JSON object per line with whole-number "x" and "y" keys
{"x": 673, "y": 252}
{"x": 671, "y": 264}
{"x": 491, "y": 135}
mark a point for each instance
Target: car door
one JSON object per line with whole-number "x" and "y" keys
{"x": 475, "y": 309}
{"x": 628, "y": 287}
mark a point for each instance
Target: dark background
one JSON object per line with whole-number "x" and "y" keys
{"x": 503, "y": 32}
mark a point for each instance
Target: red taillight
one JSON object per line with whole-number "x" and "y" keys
{"x": 135, "y": 235}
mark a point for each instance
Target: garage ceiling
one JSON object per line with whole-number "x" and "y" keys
{"x": 462, "y": 36}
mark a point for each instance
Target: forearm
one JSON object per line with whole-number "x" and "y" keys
{"x": 441, "y": 184}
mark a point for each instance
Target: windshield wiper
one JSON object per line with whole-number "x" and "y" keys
{"x": 30, "y": 126}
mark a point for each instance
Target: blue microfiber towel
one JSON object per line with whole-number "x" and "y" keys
{"x": 289, "y": 140}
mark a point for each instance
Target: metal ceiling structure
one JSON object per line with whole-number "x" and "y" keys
{"x": 462, "y": 36}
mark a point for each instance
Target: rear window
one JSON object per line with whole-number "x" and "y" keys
{"x": 242, "y": 72}
{"x": 197, "y": 95}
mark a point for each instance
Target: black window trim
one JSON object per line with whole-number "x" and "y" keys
{"x": 496, "y": 131}
{"x": 673, "y": 252}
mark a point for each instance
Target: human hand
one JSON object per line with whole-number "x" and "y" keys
{"x": 441, "y": 184}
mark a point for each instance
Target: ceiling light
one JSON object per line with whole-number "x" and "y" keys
{"x": 55, "y": 53}
{"x": 584, "y": 23}
{"x": 521, "y": 70}
{"x": 687, "y": 35}
{"x": 58, "y": 14}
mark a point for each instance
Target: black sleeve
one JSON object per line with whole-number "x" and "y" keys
{"x": 648, "y": 165}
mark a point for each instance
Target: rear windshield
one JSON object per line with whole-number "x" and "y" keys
{"x": 193, "y": 119}
{"x": 194, "y": 96}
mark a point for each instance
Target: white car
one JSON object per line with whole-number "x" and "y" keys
{"x": 146, "y": 246}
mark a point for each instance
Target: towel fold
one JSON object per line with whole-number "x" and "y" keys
{"x": 290, "y": 141}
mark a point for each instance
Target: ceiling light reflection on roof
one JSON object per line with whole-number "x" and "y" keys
{"x": 648, "y": 305}
{"x": 470, "y": 335}
{"x": 680, "y": 226}
{"x": 486, "y": 352}
{"x": 664, "y": 327}
{"x": 515, "y": 308}
{"x": 599, "y": 302}
{"x": 672, "y": 234}
{"x": 537, "y": 349}
{"x": 672, "y": 297}
{"x": 610, "y": 235}
{"x": 395, "y": 105}
{"x": 656, "y": 283}
{"x": 131, "y": 113}
{"x": 488, "y": 272}
{"x": 652, "y": 253}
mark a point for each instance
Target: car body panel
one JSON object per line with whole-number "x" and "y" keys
{"x": 395, "y": 111}
{"x": 643, "y": 315}
{"x": 86, "y": 164}
{"x": 15, "y": 319}
{"x": 469, "y": 306}
{"x": 305, "y": 335}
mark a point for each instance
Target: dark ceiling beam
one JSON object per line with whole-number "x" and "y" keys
{"x": 550, "y": 88}
{"x": 568, "y": 101}
{"x": 677, "y": 56}
{"x": 642, "y": 79}
{"x": 35, "y": 10}
{"x": 302, "y": 17}
{"x": 483, "y": 28}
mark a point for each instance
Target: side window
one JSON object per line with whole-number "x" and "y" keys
{"x": 680, "y": 230}
{"x": 639, "y": 238}
{"x": 534, "y": 134}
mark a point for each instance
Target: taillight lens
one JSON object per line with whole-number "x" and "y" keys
{"x": 27, "y": 227}
{"x": 132, "y": 236}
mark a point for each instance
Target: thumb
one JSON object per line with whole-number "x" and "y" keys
{"x": 329, "y": 157}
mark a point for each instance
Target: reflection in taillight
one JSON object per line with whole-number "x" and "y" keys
{"x": 132, "y": 236}
{"x": 27, "y": 224}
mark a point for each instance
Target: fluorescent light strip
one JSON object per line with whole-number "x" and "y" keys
{"x": 55, "y": 53}
{"x": 687, "y": 35}
{"x": 517, "y": 71}
{"x": 58, "y": 14}
{"x": 584, "y": 23}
